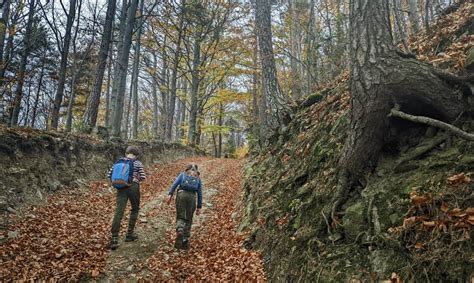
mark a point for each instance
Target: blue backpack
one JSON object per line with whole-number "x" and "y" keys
{"x": 122, "y": 173}
{"x": 190, "y": 183}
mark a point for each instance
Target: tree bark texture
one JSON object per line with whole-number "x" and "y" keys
{"x": 117, "y": 69}
{"x": 136, "y": 65}
{"x": 272, "y": 95}
{"x": 122, "y": 65}
{"x": 92, "y": 106}
{"x": 414, "y": 16}
{"x": 380, "y": 78}
{"x": 58, "y": 99}
{"x": 174, "y": 77}
{"x": 194, "y": 91}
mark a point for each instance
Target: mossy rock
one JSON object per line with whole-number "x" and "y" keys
{"x": 354, "y": 221}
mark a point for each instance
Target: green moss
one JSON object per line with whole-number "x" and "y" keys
{"x": 354, "y": 221}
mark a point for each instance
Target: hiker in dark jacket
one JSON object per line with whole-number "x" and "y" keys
{"x": 190, "y": 187}
{"x": 128, "y": 192}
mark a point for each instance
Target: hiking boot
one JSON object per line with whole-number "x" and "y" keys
{"x": 178, "y": 243}
{"x": 113, "y": 245}
{"x": 185, "y": 243}
{"x": 130, "y": 237}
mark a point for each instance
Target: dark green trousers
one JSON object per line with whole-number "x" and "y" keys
{"x": 123, "y": 195}
{"x": 185, "y": 207}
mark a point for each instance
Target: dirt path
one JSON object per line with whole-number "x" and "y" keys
{"x": 67, "y": 238}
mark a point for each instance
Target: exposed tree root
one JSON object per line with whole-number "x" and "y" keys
{"x": 432, "y": 122}
{"x": 420, "y": 150}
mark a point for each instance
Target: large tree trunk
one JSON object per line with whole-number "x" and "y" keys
{"x": 311, "y": 51}
{"x": 92, "y": 106}
{"x": 58, "y": 99}
{"x": 381, "y": 78}
{"x": 295, "y": 13}
{"x": 21, "y": 71}
{"x": 272, "y": 96}
{"x": 174, "y": 77}
{"x": 117, "y": 70}
{"x": 122, "y": 65}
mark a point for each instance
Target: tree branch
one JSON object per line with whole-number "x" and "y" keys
{"x": 432, "y": 122}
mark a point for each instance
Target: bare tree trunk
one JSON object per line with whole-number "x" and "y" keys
{"x": 58, "y": 99}
{"x": 154, "y": 90}
{"x": 21, "y": 71}
{"x": 107, "y": 96}
{"x": 7, "y": 53}
{"x": 122, "y": 65}
{"x": 174, "y": 73}
{"x": 136, "y": 65}
{"x": 117, "y": 70}
{"x": 128, "y": 109}
{"x": 76, "y": 69}
{"x": 183, "y": 110}
{"x": 5, "y": 10}
{"x": 93, "y": 101}
{"x": 311, "y": 57}
{"x": 199, "y": 120}
{"x": 414, "y": 16}
{"x": 38, "y": 91}
{"x": 178, "y": 119}
{"x": 195, "y": 78}
{"x": 295, "y": 48}
{"x": 71, "y": 101}
{"x": 273, "y": 99}
{"x": 28, "y": 97}
{"x": 164, "y": 90}
{"x": 221, "y": 123}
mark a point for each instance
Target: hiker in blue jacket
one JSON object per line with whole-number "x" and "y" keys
{"x": 190, "y": 186}
{"x": 127, "y": 190}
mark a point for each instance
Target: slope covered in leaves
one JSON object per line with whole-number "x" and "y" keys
{"x": 66, "y": 238}
{"x": 409, "y": 222}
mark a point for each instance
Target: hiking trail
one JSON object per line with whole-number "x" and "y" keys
{"x": 66, "y": 238}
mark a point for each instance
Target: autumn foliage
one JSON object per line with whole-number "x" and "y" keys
{"x": 66, "y": 238}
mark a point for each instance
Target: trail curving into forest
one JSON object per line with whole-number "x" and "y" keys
{"x": 66, "y": 238}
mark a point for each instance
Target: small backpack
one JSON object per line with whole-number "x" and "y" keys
{"x": 190, "y": 183}
{"x": 122, "y": 173}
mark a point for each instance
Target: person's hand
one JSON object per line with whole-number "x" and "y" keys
{"x": 169, "y": 200}
{"x": 198, "y": 211}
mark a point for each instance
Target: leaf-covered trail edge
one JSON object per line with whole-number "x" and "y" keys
{"x": 66, "y": 238}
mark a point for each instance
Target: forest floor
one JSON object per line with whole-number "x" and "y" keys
{"x": 66, "y": 237}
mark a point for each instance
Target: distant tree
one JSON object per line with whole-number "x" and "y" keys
{"x": 93, "y": 101}
{"x": 58, "y": 99}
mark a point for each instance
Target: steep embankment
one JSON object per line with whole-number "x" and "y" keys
{"x": 35, "y": 163}
{"x": 411, "y": 219}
